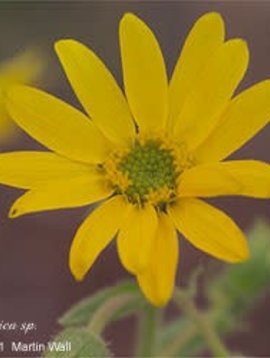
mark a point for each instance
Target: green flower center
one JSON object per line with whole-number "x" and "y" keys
{"x": 149, "y": 168}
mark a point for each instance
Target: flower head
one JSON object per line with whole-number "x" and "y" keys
{"x": 148, "y": 156}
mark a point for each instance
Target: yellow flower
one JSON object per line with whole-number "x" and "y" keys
{"x": 24, "y": 68}
{"x": 149, "y": 155}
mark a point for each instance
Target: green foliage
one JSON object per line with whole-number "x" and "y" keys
{"x": 81, "y": 313}
{"x": 83, "y": 344}
{"x": 234, "y": 292}
{"x": 231, "y": 294}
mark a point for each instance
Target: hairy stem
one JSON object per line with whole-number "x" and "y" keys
{"x": 179, "y": 342}
{"x": 104, "y": 314}
{"x": 148, "y": 321}
{"x": 205, "y": 328}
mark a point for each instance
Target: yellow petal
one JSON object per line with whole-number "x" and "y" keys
{"x": 157, "y": 282}
{"x": 136, "y": 238}
{"x": 210, "y": 230}
{"x": 214, "y": 88}
{"x": 57, "y": 125}
{"x": 60, "y": 194}
{"x": 95, "y": 234}
{"x": 208, "y": 180}
{"x": 253, "y": 176}
{"x": 203, "y": 40}
{"x": 246, "y": 177}
{"x": 8, "y": 130}
{"x": 246, "y": 114}
{"x": 97, "y": 90}
{"x": 30, "y": 169}
{"x": 144, "y": 72}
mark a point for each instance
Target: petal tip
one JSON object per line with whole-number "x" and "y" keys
{"x": 212, "y": 16}
{"x": 128, "y": 16}
{"x": 215, "y": 19}
{"x": 242, "y": 254}
{"x": 161, "y": 302}
{"x": 154, "y": 298}
{"x": 130, "y": 19}
{"x": 14, "y": 212}
{"x": 77, "y": 266}
{"x": 78, "y": 277}
{"x": 76, "y": 271}
{"x": 245, "y": 254}
{"x": 241, "y": 44}
{"x": 62, "y": 42}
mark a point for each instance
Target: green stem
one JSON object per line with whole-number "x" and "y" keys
{"x": 148, "y": 321}
{"x": 104, "y": 314}
{"x": 179, "y": 342}
{"x": 185, "y": 302}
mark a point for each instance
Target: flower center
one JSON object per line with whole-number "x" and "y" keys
{"x": 146, "y": 172}
{"x": 149, "y": 168}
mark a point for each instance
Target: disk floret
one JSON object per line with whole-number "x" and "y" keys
{"x": 151, "y": 172}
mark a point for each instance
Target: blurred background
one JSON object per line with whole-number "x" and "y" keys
{"x": 35, "y": 283}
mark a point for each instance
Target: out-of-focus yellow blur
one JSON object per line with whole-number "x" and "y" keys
{"x": 24, "y": 68}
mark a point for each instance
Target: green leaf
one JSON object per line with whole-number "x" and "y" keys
{"x": 235, "y": 291}
{"x": 81, "y": 313}
{"x": 81, "y": 342}
{"x": 232, "y": 293}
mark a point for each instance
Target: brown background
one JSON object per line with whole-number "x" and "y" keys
{"x": 35, "y": 283}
